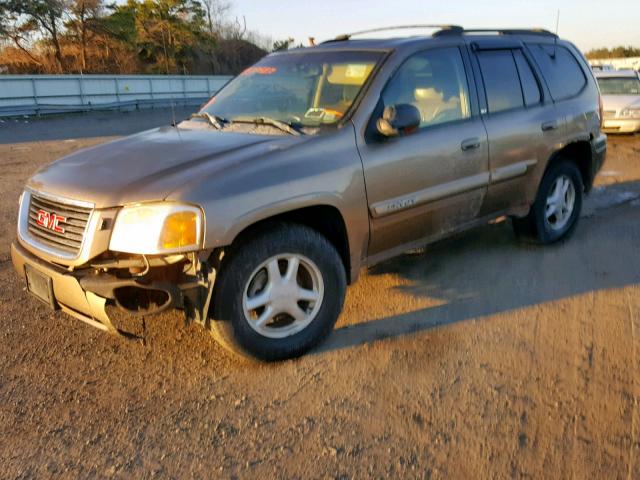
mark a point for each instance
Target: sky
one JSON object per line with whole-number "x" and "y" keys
{"x": 588, "y": 23}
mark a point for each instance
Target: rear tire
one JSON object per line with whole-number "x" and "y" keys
{"x": 556, "y": 210}
{"x": 264, "y": 311}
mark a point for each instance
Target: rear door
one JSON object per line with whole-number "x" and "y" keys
{"x": 522, "y": 123}
{"x": 433, "y": 180}
{"x": 576, "y": 99}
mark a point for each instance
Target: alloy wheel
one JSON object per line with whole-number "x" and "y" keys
{"x": 560, "y": 203}
{"x": 283, "y": 295}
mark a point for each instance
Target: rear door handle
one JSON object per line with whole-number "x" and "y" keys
{"x": 470, "y": 144}
{"x": 548, "y": 126}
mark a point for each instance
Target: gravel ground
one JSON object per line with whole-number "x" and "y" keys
{"x": 478, "y": 357}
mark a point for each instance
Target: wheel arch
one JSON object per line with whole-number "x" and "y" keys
{"x": 324, "y": 218}
{"x": 579, "y": 152}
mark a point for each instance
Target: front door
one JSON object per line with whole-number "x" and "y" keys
{"x": 427, "y": 183}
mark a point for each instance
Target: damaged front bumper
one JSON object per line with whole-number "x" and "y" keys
{"x": 84, "y": 293}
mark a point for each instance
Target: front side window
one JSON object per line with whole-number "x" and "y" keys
{"x": 301, "y": 89}
{"x": 619, "y": 86}
{"x": 435, "y": 83}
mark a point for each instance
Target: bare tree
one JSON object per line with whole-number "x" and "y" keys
{"x": 216, "y": 12}
{"x": 265, "y": 42}
{"x": 219, "y": 25}
{"x": 236, "y": 30}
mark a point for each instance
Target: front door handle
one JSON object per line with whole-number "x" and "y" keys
{"x": 470, "y": 144}
{"x": 548, "y": 126}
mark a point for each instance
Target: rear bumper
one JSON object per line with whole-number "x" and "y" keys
{"x": 621, "y": 126}
{"x": 68, "y": 293}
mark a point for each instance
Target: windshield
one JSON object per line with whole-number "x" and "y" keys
{"x": 619, "y": 86}
{"x": 300, "y": 89}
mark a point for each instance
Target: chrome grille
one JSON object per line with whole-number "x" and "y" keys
{"x": 609, "y": 114}
{"x": 74, "y": 224}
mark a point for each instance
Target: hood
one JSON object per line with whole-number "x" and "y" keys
{"x": 150, "y": 165}
{"x": 620, "y": 102}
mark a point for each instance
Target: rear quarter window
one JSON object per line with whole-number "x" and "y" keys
{"x": 561, "y": 70}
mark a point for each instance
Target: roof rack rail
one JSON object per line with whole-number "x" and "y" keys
{"x": 501, "y": 31}
{"x": 441, "y": 28}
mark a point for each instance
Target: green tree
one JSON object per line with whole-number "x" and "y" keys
{"x": 134, "y": 36}
{"x": 280, "y": 45}
{"x": 165, "y": 31}
{"x": 13, "y": 31}
{"x": 84, "y": 18}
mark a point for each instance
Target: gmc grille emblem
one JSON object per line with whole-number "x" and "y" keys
{"x": 50, "y": 221}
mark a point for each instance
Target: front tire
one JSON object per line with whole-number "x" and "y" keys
{"x": 555, "y": 213}
{"x": 278, "y": 293}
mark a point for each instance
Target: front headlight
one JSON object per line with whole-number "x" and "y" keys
{"x": 630, "y": 112}
{"x": 157, "y": 228}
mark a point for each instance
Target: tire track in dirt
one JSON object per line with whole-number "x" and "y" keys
{"x": 583, "y": 356}
{"x": 633, "y": 469}
{"x": 526, "y": 448}
{"x": 605, "y": 402}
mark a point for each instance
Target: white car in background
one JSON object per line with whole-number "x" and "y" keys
{"x": 620, "y": 91}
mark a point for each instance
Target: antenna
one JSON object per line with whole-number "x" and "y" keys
{"x": 555, "y": 40}
{"x": 166, "y": 65}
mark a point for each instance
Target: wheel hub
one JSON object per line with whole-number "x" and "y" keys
{"x": 283, "y": 295}
{"x": 560, "y": 203}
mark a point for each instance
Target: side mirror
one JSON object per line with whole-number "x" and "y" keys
{"x": 398, "y": 119}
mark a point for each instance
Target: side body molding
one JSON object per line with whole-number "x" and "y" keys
{"x": 430, "y": 194}
{"x": 512, "y": 171}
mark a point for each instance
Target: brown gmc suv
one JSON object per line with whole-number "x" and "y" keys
{"x": 253, "y": 215}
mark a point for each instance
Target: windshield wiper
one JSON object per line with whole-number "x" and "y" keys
{"x": 279, "y": 124}
{"x": 213, "y": 120}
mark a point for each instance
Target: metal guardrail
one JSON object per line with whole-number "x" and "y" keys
{"x": 44, "y": 94}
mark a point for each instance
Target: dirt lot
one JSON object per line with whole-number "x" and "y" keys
{"x": 477, "y": 358}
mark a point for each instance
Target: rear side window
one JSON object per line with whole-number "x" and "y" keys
{"x": 530, "y": 87}
{"x": 501, "y": 80}
{"x": 560, "y": 68}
